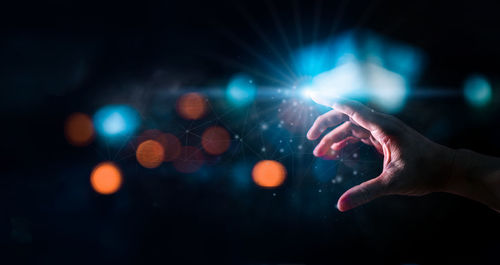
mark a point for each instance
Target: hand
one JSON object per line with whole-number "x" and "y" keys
{"x": 413, "y": 165}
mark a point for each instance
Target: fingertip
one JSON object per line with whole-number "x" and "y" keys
{"x": 322, "y": 99}
{"x": 343, "y": 203}
{"x": 338, "y": 207}
{"x": 310, "y": 136}
{"x": 316, "y": 153}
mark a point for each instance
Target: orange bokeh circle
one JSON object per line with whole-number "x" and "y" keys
{"x": 191, "y": 106}
{"x": 215, "y": 140}
{"x": 106, "y": 178}
{"x": 269, "y": 173}
{"x": 78, "y": 129}
{"x": 150, "y": 154}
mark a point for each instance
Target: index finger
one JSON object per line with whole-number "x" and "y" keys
{"x": 329, "y": 119}
{"x": 359, "y": 113}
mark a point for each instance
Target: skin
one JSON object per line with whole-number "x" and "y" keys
{"x": 413, "y": 165}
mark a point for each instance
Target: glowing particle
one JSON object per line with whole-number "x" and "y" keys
{"x": 150, "y": 154}
{"x": 215, "y": 140}
{"x": 106, "y": 178}
{"x": 116, "y": 122}
{"x": 240, "y": 90}
{"x": 191, "y": 106}
{"x": 477, "y": 90}
{"x": 78, "y": 129}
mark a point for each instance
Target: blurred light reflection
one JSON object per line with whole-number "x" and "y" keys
{"x": 269, "y": 174}
{"x": 106, "y": 178}
{"x": 78, "y": 129}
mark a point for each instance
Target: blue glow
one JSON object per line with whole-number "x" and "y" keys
{"x": 361, "y": 81}
{"x": 240, "y": 174}
{"x": 319, "y": 58}
{"x": 388, "y": 89}
{"x": 477, "y": 90}
{"x": 404, "y": 60}
{"x": 324, "y": 170}
{"x": 114, "y": 122}
{"x": 241, "y": 90}
{"x": 307, "y": 92}
{"x": 363, "y": 66}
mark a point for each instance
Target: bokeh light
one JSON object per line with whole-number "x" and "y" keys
{"x": 150, "y": 154}
{"x": 190, "y": 160}
{"x": 215, "y": 140}
{"x": 241, "y": 90}
{"x": 477, "y": 90}
{"x": 149, "y": 134}
{"x": 269, "y": 173}
{"x": 106, "y": 178}
{"x": 191, "y": 106}
{"x": 78, "y": 129}
{"x": 116, "y": 122}
{"x": 171, "y": 145}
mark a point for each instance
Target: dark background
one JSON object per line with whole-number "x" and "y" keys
{"x": 55, "y": 57}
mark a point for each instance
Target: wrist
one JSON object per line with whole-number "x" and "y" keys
{"x": 475, "y": 176}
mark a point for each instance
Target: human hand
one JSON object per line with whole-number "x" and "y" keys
{"x": 413, "y": 165}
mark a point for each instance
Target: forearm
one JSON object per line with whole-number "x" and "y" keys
{"x": 475, "y": 176}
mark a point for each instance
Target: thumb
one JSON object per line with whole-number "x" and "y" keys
{"x": 361, "y": 194}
